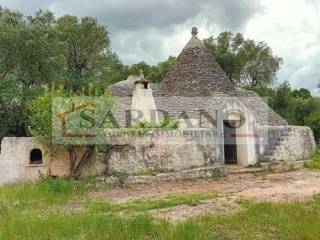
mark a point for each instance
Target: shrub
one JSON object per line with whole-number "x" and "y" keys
{"x": 313, "y": 121}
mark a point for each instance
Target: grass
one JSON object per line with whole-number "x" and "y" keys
{"x": 315, "y": 163}
{"x": 46, "y": 191}
{"x": 170, "y": 201}
{"x": 38, "y": 211}
{"x": 145, "y": 205}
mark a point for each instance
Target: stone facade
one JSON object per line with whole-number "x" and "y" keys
{"x": 169, "y": 151}
{"x": 288, "y": 143}
{"x": 15, "y": 164}
{"x": 164, "y": 151}
{"x": 195, "y": 83}
{"x": 15, "y": 160}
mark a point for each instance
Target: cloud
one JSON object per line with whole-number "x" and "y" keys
{"x": 27, "y": 7}
{"x": 290, "y": 28}
{"x": 145, "y": 14}
{"x": 151, "y": 30}
{"x": 141, "y": 29}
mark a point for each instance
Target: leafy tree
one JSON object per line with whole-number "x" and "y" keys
{"x": 25, "y": 58}
{"x": 283, "y": 101}
{"x": 83, "y": 44}
{"x": 113, "y": 71}
{"x": 154, "y": 73}
{"x": 313, "y": 121}
{"x": 134, "y": 69}
{"x": 293, "y": 105}
{"x": 303, "y": 108}
{"x": 246, "y": 63}
{"x": 85, "y": 47}
{"x": 10, "y": 119}
{"x": 301, "y": 93}
{"x": 39, "y": 51}
{"x": 11, "y": 41}
{"x": 267, "y": 93}
{"x": 42, "y": 126}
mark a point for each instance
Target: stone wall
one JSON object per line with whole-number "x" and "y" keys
{"x": 14, "y": 159}
{"x": 299, "y": 144}
{"x": 164, "y": 151}
{"x": 268, "y": 136}
{"x": 160, "y": 151}
{"x": 287, "y": 143}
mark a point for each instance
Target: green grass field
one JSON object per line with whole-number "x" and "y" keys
{"x": 315, "y": 164}
{"x": 40, "y": 211}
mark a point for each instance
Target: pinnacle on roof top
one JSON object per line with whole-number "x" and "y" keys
{"x": 194, "y": 31}
{"x": 194, "y": 41}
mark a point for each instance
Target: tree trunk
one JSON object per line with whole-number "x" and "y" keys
{"x": 84, "y": 161}
{"x": 73, "y": 161}
{"x": 77, "y": 164}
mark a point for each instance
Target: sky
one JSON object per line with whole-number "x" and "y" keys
{"x": 152, "y": 30}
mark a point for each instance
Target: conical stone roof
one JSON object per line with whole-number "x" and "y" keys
{"x": 195, "y": 73}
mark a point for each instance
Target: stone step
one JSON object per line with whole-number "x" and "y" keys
{"x": 234, "y": 170}
{"x": 269, "y": 153}
{"x": 283, "y": 166}
{"x": 266, "y": 158}
{"x": 196, "y": 173}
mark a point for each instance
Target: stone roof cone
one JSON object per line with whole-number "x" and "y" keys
{"x": 195, "y": 73}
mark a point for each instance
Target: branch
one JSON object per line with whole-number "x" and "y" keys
{"x": 85, "y": 159}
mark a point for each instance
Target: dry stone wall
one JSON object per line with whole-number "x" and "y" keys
{"x": 299, "y": 144}
{"x": 288, "y": 143}
{"x": 165, "y": 151}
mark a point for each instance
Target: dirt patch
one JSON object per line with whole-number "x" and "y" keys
{"x": 293, "y": 185}
{"x": 276, "y": 187}
{"x": 217, "y": 206}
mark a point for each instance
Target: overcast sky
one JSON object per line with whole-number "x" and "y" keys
{"x": 151, "y": 30}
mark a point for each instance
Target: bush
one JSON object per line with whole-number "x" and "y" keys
{"x": 169, "y": 124}
{"x": 55, "y": 186}
{"x": 166, "y": 124}
{"x": 313, "y": 121}
{"x": 315, "y": 163}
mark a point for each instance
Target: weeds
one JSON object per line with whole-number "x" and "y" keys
{"x": 315, "y": 163}
{"x": 38, "y": 211}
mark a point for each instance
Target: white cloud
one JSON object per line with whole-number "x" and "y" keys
{"x": 290, "y": 27}
{"x": 151, "y": 30}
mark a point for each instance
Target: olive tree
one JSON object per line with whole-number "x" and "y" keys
{"x": 45, "y": 128}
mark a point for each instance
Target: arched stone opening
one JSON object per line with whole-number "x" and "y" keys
{"x": 35, "y": 156}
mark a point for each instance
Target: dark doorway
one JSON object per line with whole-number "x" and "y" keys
{"x": 230, "y": 142}
{"x": 36, "y": 156}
